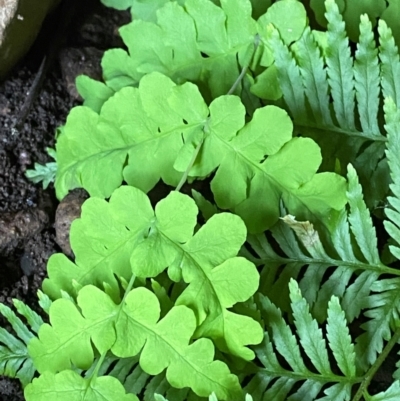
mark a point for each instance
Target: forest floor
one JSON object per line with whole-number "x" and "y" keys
{"x": 27, "y": 213}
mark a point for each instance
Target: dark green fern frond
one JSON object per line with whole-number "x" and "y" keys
{"x": 289, "y": 76}
{"x": 354, "y": 249}
{"x": 384, "y": 302}
{"x": 314, "y": 77}
{"x": 330, "y": 70}
{"x": 393, "y": 151}
{"x": 340, "y": 67}
{"x": 366, "y": 75}
{"x": 390, "y": 68}
{"x": 280, "y": 340}
{"x": 14, "y": 358}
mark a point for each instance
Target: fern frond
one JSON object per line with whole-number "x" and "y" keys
{"x": 390, "y": 68}
{"x": 289, "y": 75}
{"x": 366, "y": 75}
{"x": 392, "y": 225}
{"x": 315, "y": 81}
{"x": 383, "y": 306}
{"x": 360, "y": 220}
{"x": 340, "y": 67}
{"x": 14, "y": 358}
{"x": 280, "y": 340}
{"x": 327, "y": 68}
{"x": 339, "y": 338}
{"x": 354, "y": 250}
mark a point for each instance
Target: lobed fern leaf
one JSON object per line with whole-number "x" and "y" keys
{"x": 127, "y": 329}
{"x": 160, "y": 127}
{"x": 200, "y": 42}
{"x": 146, "y": 243}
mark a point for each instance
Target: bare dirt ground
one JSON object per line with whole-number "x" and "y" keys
{"x": 27, "y": 213}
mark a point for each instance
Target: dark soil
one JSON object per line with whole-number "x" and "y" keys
{"x": 27, "y": 213}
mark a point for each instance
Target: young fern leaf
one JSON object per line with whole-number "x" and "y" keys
{"x": 283, "y": 341}
{"x": 69, "y": 385}
{"x": 128, "y": 329}
{"x": 156, "y": 130}
{"x": 200, "y": 42}
{"x": 14, "y": 358}
{"x": 340, "y": 67}
{"x": 113, "y": 239}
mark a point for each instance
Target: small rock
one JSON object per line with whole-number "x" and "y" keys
{"x": 77, "y": 61}
{"x": 67, "y": 211}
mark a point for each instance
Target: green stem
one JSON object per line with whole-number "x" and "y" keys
{"x": 238, "y": 79}
{"x": 245, "y": 68}
{"x": 98, "y": 365}
{"x": 129, "y": 287}
{"x": 103, "y": 355}
{"x": 189, "y": 167}
{"x": 374, "y": 368}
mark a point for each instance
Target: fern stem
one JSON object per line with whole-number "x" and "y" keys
{"x": 93, "y": 376}
{"x": 245, "y": 67}
{"x": 238, "y": 79}
{"x": 377, "y": 268}
{"x": 333, "y": 129}
{"x": 374, "y": 368}
{"x": 189, "y": 167}
{"x": 129, "y": 287}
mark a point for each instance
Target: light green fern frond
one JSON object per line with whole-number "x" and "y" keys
{"x": 353, "y": 252}
{"x": 384, "y": 303}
